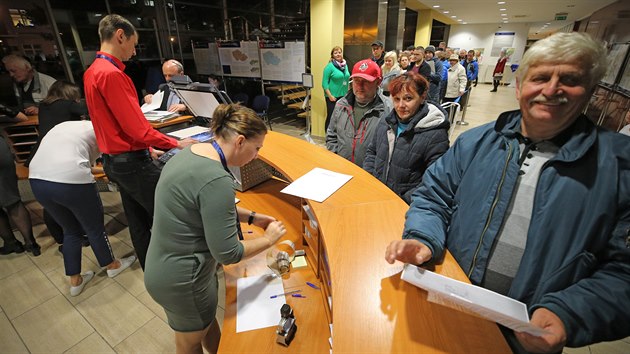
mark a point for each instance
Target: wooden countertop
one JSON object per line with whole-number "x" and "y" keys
{"x": 374, "y": 311}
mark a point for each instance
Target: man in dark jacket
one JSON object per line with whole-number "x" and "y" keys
{"x": 536, "y": 206}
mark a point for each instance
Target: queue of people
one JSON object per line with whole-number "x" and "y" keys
{"x": 502, "y": 199}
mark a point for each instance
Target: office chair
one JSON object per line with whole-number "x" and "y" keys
{"x": 260, "y": 105}
{"x": 241, "y": 98}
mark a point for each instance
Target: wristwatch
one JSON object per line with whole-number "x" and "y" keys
{"x": 251, "y": 218}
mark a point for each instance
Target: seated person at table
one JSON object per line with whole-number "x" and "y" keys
{"x": 536, "y": 206}
{"x": 170, "y": 100}
{"x": 196, "y": 226}
{"x": 29, "y": 85}
{"x": 10, "y": 115}
{"x": 409, "y": 138}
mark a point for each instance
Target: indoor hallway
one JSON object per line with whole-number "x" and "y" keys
{"x": 37, "y": 314}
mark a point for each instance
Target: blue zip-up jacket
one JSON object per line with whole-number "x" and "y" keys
{"x": 576, "y": 261}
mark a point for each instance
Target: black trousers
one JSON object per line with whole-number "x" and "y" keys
{"x": 136, "y": 174}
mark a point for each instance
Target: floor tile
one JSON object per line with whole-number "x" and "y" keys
{"x": 148, "y": 301}
{"x": 52, "y": 327}
{"x": 9, "y": 338}
{"x": 581, "y": 350}
{"x": 132, "y": 279}
{"x": 114, "y": 313}
{"x": 24, "y": 290}
{"x": 154, "y": 337}
{"x": 93, "y": 344}
{"x": 617, "y": 347}
{"x": 13, "y": 263}
{"x": 62, "y": 282}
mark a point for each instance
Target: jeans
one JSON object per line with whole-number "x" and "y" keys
{"x": 76, "y": 207}
{"x": 136, "y": 175}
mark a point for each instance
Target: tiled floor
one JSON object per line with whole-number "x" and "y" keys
{"x": 37, "y": 315}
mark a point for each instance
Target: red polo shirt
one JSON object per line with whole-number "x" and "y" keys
{"x": 112, "y": 101}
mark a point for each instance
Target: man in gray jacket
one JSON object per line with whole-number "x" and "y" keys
{"x": 536, "y": 206}
{"x": 356, "y": 115}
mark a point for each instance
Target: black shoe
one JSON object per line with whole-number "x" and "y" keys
{"x": 34, "y": 249}
{"x": 14, "y": 247}
{"x": 85, "y": 242}
{"x": 493, "y": 90}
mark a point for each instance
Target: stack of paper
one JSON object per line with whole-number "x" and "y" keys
{"x": 160, "y": 116}
{"x": 470, "y": 298}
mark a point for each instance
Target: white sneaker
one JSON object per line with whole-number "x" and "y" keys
{"x": 124, "y": 264}
{"x": 76, "y": 290}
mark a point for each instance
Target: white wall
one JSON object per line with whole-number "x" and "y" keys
{"x": 482, "y": 36}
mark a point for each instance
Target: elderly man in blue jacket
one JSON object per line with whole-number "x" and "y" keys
{"x": 536, "y": 205}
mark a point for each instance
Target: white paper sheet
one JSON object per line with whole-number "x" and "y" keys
{"x": 156, "y": 101}
{"x": 317, "y": 185}
{"x": 188, "y": 132}
{"x": 482, "y": 302}
{"x": 254, "y": 307}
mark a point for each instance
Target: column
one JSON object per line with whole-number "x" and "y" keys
{"x": 326, "y": 32}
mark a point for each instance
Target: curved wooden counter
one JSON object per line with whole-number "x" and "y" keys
{"x": 374, "y": 311}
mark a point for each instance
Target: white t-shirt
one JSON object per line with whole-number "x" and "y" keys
{"x": 625, "y": 130}
{"x": 66, "y": 154}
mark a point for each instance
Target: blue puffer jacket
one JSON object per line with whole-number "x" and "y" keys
{"x": 576, "y": 261}
{"x": 399, "y": 162}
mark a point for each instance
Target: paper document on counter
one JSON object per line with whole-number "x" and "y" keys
{"x": 156, "y": 101}
{"x": 188, "y": 132}
{"x": 254, "y": 306}
{"x": 482, "y": 302}
{"x": 317, "y": 185}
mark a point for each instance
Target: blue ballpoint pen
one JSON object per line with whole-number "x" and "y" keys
{"x": 283, "y": 294}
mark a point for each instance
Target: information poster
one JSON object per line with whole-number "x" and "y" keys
{"x": 282, "y": 61}
{"x": 501, "y": 40}
{"x": 239, "y": 59}
{"x": 615, "y": 61}
{"x": 207, "y": 60}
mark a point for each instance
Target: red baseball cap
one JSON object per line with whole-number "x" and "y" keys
{"x": 366, "y": 69}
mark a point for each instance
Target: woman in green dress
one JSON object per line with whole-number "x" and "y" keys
{"x": 196, "y": 225}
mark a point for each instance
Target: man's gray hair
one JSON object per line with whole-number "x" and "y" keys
{"x": 567, "y": 48}
{"x": 178, "y": 65}
{"x": 17, "y": 59}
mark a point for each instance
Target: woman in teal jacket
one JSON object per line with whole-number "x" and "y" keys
{"x": 335, "y": 81}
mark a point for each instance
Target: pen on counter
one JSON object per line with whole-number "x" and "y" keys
{"x": 283, "y": 294}
{"x": 312, "y": 285}
{"x": 298, "y": 295}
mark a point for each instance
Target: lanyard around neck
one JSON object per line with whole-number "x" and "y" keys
{"x": 225, "y": 167}
{"x": 108, "y": 59}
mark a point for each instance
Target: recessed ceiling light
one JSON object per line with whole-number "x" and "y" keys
{"x": 446, "y": 12}
{"x": 453, "y": 16}
{"x": 502, "y": 9}
{"x": 504, "y": 15}
{"x": 465, "y": 23}
{"x": 436, "y": 6}
{"x": 501, "y": 2}
{"x": 548, "y": 23}
{"x": 460, "y": 20}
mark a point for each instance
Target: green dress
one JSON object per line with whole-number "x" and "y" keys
{"x": 194, "y": 227}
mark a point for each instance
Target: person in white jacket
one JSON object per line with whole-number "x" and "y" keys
{"x": 456, "y": 82}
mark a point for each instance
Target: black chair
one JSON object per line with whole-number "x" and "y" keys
{"x": 241, "y": 98}
{"x": 261, "y": 106}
